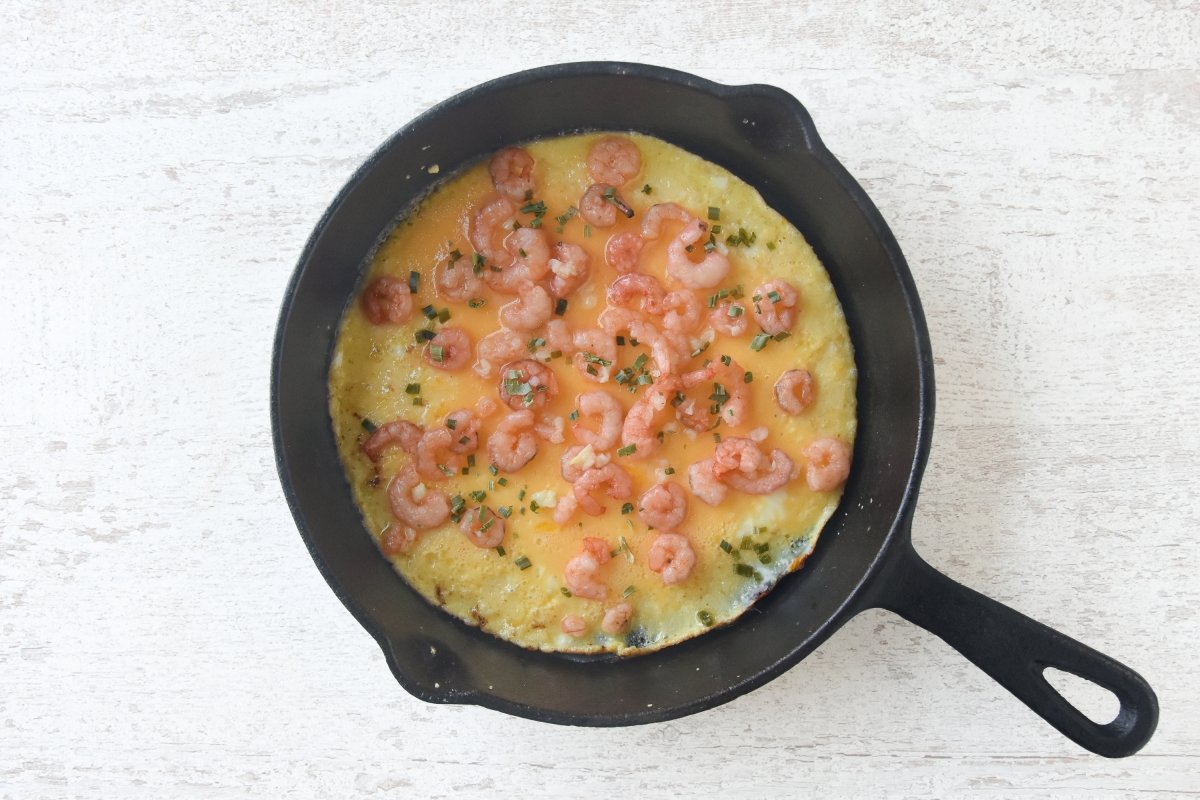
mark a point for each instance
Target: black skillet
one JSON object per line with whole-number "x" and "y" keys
{"x": 865, "y": 557}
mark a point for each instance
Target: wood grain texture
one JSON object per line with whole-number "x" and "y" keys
{"x": 163, "y": 632}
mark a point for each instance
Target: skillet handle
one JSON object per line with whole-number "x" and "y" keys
{"x": 1015, "y": 650}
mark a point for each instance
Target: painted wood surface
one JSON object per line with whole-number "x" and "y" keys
{"x": 163, "y": 632}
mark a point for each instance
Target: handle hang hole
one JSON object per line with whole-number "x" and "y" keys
{"x": 1092, "y": 700}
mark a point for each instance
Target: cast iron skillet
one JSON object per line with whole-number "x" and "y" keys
{"x": 865, "y": 557}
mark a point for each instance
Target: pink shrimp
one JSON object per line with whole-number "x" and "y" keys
{"x": 581, "y": 569}
{"x": 573, "y": 625}
{"x": 435, "y": 457}
{"x": 738, "y": 454}
{"x": 550, "y": 428}
{"x": 614, "y": 159}
{"x": 663, "y": 506}
{"x": 513, "y": 444}
{"x": 430, "y": 511}
{"x": 706, "y": 273}
{"x": 530, "y": 311}
{"x": 529, "y": 262}
{"x": 595, "y": 354}
{"x": 795, "y": 391}
{"x": 731, "y": 380}
{"x": 730, "y": 318}
{"x": 775, "y": 306}
{"x": 671, "y": 555}
{"x": 488, "y": 227}
{"x": 828, "y": 464}
{"x": 622, "y": 252}
{"x": 397, "y": 539}
{"x": 765, "y": 476}
{"x": 645, "y": 419}
{"x": 681, "y": 311}
{"x": 615, "y": 321}
{"x": 667, "y": 352}
{"x": 464, "y": 425}
{"x": 609, "y": 413}
{"x": 659, "y": 213}
{"x": 599, "y": 206}
{"x": 645, "y": 290}
{"x": 483, "y": 527}
{"x": 397, "y": 432}
{"x": 456, "y": 280}
{"x": 387, "y": 301}
{"x": 560, "y": 337}
{"x": 705, "y": 484}
{"x": 565, "y": 509}
{"x": 616, "y": 618}
{"x": 449, "y": 350}
{"x": 615, "y": 480}
{"x": 527, "y": 384}
{"x": 497, "y": 348}
{"x": 570, "y": 267}
{"x": 570, "y": 471}
{"x": 512, "y": 173}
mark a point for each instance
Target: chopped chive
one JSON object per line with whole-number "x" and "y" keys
{"x": 523, "y": 563}
{"x": 715, "y": 230}
{"x": 414, "y": 282}
{"x": 764, "y": 558}
{"x": 492, "y": 468}
{"x": 457, "y": 503}
{"x": 521, "y": 250}
{"x": 451, "y": 422}
{"x": 417, "y": 401}
{"x": 424, "y": 335}
{"x": 430, "y": 312}
{"x": 748, "y": 377}
{"x": 626, "y": 508}
{"x": 592, "y": 358}
{"x": 533, "y": 506}
{"x": 773, "y": 296}
{"x": 726, "y": 360}
{"x": 726, "y": 546}
{"x": 478, "y": 496}
{"x": 759, "y": 342}
{"x": 700, "y": 349}
{"x": 500, "y": 549}
{"x": 476, "y": 302}
{"x": 711, "y": 302}
{"x": 443, "y": 315}
{"x": 502, "y": 481}
{"x": 706, "y": 618}
{"x": 560, "y": 307}
{"x": 587, "y": 231}
{"x": 628, "y": 591}
{"x": 412, "y": 388}
{"x": 565, "y": 591}
{"x": 368, "y": 426}
{"x": 477, "y": 264}
{"x": 521, "y": 494}
{"x": 574, "y": 415}
{"x": 714, "y": 213}
{"x": 620, "y": 341}
{"x": 627, "y": 450}
{"x": 446, "y": 470}
{"x": 745, "y": 570}
{"x": 437, "y": 352}
{"x": 746, "y": 543}
{"x": 782, "y": 335}
{"x": 640, "y": 362}
{"x": 455, "y": 255}
{"x": 591, "y": 370}
{"x": 633, "y": 342}
{"x": 471, "y": 457}
{"x": 646, "y": 189}
{"x": 736, "y": 310}
{"x": 556, "y": 354}
{"x": 669, "y": 471}
{"x": 717, "y": 437}
{"x": 505, "y": 511}
{"x": 761, "y": 547}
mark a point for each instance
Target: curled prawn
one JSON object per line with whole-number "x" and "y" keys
{"x": 795, "y": 391}
{"x": 483, "y": 527}
{"x": 660, "y": 213}
{"x": 387, "y": 301}
{"x": 531, "y": 310}
{"x": 609, "y": 414}
{"x": 512, "y": 172}
{"x": 706, "y": 273}
{"x": 731, "y": 395}
{"x": 527, "y": 384}
{"x": 581, "y": 569}
{"x": 645, "y": 290}
{"x": 644, "y": 420}
{"x": 488, "y": 227}
{"x": 775, "y": 305}
{"x": 600, "y": 204}
{"x": 435, "y": 457}
{"x": 456, "y": 280}
{"x": 616, "y": 618}
{"x": 449, "y": 350}
{"x": 752, "y": 474}
{"x": 730, "y": 318}
{"x": 622, "y": 251}
{"x": 595, "y": 354}
{"x": 705, "y": 484}
{"x": 513, "y": 444}
{"x": 614, "y": 159}
{"x": 413, "y": 504}
{"x": 573, "y": 625}
{"x": 397, "y": 432}
{"x": 570, "y": 267}
{"x": 671, "y": 556}
{"x": 680, "y": 310}
{"x": 464, "y": 426}
{"x": 560, "y": 337}
{"x": 828, "y": 464}
{"x": 529, "y": 262}
{"x": 613, "y": 479}
{"x": 663, "y": 506}
{"x": 397, "y": 539}
{"x": 497, "y": 348}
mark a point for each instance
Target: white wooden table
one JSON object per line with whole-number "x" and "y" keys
{"x": 163, "y": 632}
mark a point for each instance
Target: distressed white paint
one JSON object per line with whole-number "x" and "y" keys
{"x": 163, "y": 632}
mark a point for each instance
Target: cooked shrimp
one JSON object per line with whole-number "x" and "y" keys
{"x": 599, "y": 206}
{"x": 488, "y": 227}
{"x": 705, "y": 484}
{"x": 512, "y": 173}
{"x": 729, "y": 383}
{"x": 609, "y": 414}
{"x": 527, "y": 384}
{"x": 828, "y": 464}
{"x": 570, "y": 470}
{"x": 580, "y": 572}
{"x": 730, "y": 318}
{"x": 644, "y": 421}
{"x": 513, "y": 444}
{"x": 397, "y": 539}
{"x": 645, "y": 290}
{"x": 775, "y": 304}
{"x": 483, "y": 526}
{"x": 595, "y": 354}
{"x": 663, "y": 506}
{"x": 681, "y": 311}
{"x": 738, "y": 454}
{"x": 574, "y": 626}
{"x": 671, "y": 555}
{"x": 497, "y": 348}
{"x": 550, "y": 428}
{"x": 387, "y": 301}
{"x": 465, "y": 427}
{"x": 435, "y": 457}
{"x": 764, "y": 478}
{"x": 530, "y": 311}
{"x": 616, "y": 618}
{"x": 570, "y": 267}
{"x": 565, "y": 509}
{"x": 456, "y": 280}
{"x": 615, "y": 480}
{"x": 529, "y": 250}
{"x": 560, "y": 337}
{"x": 622, "y": 252}
{"x": 659, "y": 213}
{"x": 449, "y": 350}
{"x": 614, "y": 159}
{"x": 615, "y": 321}
{"x": 710, "y": 270}
{"x": 795, "y": 391}
{"x": 413, "y": 504}
{"x": 399, "y": 431}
